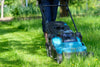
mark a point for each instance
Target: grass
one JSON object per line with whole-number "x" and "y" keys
{"x": 22, "y": 43}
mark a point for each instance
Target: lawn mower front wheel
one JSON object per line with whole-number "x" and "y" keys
{"x": 48, "y": 49}
{"x": 59, "y": 58}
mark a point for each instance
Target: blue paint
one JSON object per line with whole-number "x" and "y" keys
{"x": 65, "y": 24}
{"x": 68, "y": 47}
{"x": 57, "y": 41}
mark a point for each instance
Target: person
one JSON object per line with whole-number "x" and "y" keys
{"x": 49, "y": 13}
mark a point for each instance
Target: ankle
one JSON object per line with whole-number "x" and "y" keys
{"x": 46, "y": 37}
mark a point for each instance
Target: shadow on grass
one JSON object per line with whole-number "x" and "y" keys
{"x": 38, "y": 43}
{"x": 30, "y": 25}
{"x": 5, "y": 62}
{"x": 35, "y": 45}
{"x": 4, "y": 46}
{"x": 8, "y": 30}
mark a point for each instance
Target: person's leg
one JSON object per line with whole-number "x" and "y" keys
{"x": 54, "y": 9}
{"x": 46, "y": 15}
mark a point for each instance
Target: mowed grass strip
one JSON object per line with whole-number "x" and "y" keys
{"x": 22, "y": 43}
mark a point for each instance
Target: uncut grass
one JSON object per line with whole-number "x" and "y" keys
{"x": 22, "y": 43}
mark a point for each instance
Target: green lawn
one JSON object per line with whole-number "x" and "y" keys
{"x": 22, "y": 43}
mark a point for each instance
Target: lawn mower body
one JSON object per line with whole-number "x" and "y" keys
{"x": 63, "y": 40}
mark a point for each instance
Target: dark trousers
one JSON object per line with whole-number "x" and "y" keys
{"x": 48, "y": 13}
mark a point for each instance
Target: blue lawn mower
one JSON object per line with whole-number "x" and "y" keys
{"x": 62, "y": 40}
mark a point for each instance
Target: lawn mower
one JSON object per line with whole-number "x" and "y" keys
{"x": 62, "y": 40}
